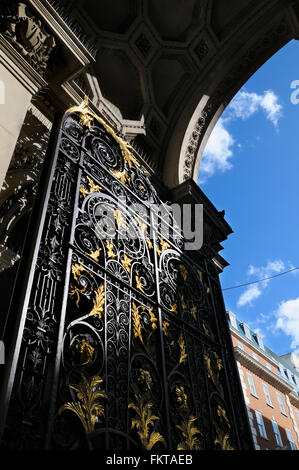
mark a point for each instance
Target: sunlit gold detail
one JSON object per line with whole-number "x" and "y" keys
{"x": 174, "y": 308}
{"x": 138, "y": 283}
{"x": 165, "y": 326}
{"x": 98, "y": 301}
{"x": 181, "y": 397}
{"x": 77, "y": 291}
{"x": 87, "y": 408}
{"x": 193, "y": 311}
{"x": 145, "y": 377}
{"x": 189, "y": 432}
{"x": 184, "y": 272}
{"x": 95, "y": 254}
{"x": 77, "y": 269}
{"x": 144, "y": 421}
{"x": 110, "y": 246}
{"x": 126, "y": 262}
{"x": 164, "y": 246}
{"x": 119, "y": 218}
{"x": 86, "y": 118}
{"x": 86, "y": 351}
{"x": 93, "y": 188}
{"x": 121, "y": 175}
{"x": 208, "y": 290}
{"x": 141, "y": 187}
{"x": 183, "y": 355}
{"x": 136, "y": 322}
{"x": 153, "y": 319}
{"x": 149, "y": 243}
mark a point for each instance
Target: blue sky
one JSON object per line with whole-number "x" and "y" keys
{"x": 250, "y": 168}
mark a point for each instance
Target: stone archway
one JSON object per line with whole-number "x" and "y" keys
{"x": 229, "y": 70}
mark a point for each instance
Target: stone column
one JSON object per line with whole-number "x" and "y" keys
{"x": 14, "y": 103}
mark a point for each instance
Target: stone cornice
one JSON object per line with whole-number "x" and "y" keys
{"x": 258, "y": 350}
{"x": 19, "y": 67}
{"x": 263, "y": 372}
{"x": 62, "y": 31}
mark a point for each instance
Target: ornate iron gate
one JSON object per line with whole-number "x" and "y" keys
{"x": 124, "y": 342}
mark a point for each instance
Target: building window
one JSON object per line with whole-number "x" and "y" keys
{"x": 268, "y": 366}
{"x": 259, "y": 341}
{"x": 281, "y": 403}
{"x": 241, "y": 345}
{"x": 297, "y": 413}
{"x": 247, "y": 331}
{"x": 276, "y": 433}
{"x": 267, "y": 395}
{"x": 291, "y": 439}
{"x": 255, "y": 356}
{"x": 260, "y": 422}
{"x": 233, "y": 319}
{"x": 251, "y": 384}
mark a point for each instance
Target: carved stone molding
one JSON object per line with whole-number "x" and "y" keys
{"x": 27, "y": 34}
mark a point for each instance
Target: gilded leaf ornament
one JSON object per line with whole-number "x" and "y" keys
{"x": 95, "y": 254}
{"x": 86, "y": 352}
{"x": 136, "y": 322}
{"x": 110, "y": 246}
{"x": 86, "y": 118}
{"x": 93, "y": 188}
{"x": 126, "y": 262}
{"x": 183, "y": 355}
{"x": 88, "y": 409}
{"x": 189, "y": 431}
{"x": 138, "y": 283}
{"x": 145, "y": 378}
{"x": 98, "y": 301}
{"x": 181, "y": 397}
{"x": 144, "y": 423}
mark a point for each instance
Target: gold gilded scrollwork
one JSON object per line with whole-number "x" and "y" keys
{"x": 95, "y": 254}
{"x": 136, "y": 322}
{"x": 98, "y": 301}
{"x": 126, "y": 262}
{"x": 86, "y": 118}
{"x": 87, "y": 409}
{"x": 223, "y": 436}
{"x": 189, "y": 432}
{"x": 183, "y": 355}
{"x": 145, "y": 420}
{"x": 93, "y": 188}
{"x": 164, "y": 246}
{"x": 214, "y": 365}
{"x": 110, "y": 247}
{"x": 85, "y": 351}
{"x": 187, "y": 427}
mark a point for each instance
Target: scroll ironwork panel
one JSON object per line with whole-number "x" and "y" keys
{"x": 124, "y": 343}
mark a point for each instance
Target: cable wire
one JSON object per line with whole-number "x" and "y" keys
{"x": 260, "y": 280}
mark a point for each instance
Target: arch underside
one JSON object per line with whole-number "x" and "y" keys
{"x": 181, "y": 67}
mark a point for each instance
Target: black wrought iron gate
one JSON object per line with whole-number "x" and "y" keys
{"x": 123, "y": 341}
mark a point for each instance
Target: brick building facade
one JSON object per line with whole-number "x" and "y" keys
{"x": 270, "y": 385}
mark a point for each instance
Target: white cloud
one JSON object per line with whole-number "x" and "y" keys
{"x": 250, "y": 294}
{"x": 254, "y": 291}
{"x": 288, "y": 320}
{"x": 217, "y": 152}
{"x": 245, "y": 104}
{"x": 219, "y": 148}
